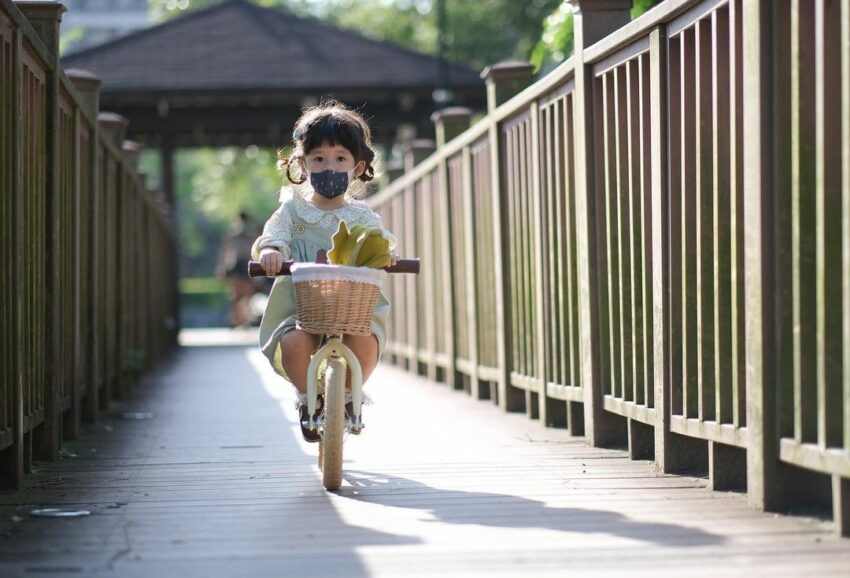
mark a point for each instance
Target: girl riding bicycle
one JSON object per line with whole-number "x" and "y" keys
{"x": 333, "y": 158}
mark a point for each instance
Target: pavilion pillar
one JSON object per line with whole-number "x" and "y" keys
{"x": 167, "y": 185}
{"x": 166, "y": 152}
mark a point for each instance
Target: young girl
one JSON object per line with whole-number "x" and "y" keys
{"x": 332, "y": 150}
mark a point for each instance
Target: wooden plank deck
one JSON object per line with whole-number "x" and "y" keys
{"x": 219, "y": 483}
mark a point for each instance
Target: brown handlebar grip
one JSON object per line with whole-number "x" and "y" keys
{"x": 404, "y": 266}
{"x": 255, "y": 269}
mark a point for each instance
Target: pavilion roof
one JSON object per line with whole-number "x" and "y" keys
{"x": 236, "y": 45}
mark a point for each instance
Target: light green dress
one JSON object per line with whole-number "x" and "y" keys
{"x": 299, "y": 229}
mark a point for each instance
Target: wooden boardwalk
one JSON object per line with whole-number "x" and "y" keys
{"x": 218, "y": 483}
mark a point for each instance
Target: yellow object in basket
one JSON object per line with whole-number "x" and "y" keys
{"x": 360, "y": 246}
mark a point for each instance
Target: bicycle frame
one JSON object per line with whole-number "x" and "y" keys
{"x": 335, "y": 348}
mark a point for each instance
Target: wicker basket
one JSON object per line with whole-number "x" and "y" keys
{"x": 334, "y": 299}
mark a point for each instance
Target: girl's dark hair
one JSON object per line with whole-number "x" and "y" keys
{"x": 334, "y": 123}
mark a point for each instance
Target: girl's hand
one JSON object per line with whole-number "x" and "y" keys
{"x": 271, "y": 259}
{"x": 393, "y": 259}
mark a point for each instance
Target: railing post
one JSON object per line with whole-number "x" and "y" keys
{"x": 415, "y": 151}
{"x": 131, "y": 151}
{"x": 592, "y": 21}
{"x": 12, "y": 457}
{"x": 767, "y": 477}
{"x": 761, "y": 438}
{"x": 88, "y": 87}
{"x": 394, "y": 170}
{"x": 87, "y": 84}
{"x": 45, "y": 18}
{"x": 504, "y": 80}
{"x": 113, "y": 127}
{"x": 448, "y": 123}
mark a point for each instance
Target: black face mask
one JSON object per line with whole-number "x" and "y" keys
{"x": 330, "y": 183}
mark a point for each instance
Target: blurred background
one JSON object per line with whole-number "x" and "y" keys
{"x": 219, "y": 169}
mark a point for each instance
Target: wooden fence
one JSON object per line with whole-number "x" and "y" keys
{"x": 651, "y": 244}
{"x": 87, "y": 296}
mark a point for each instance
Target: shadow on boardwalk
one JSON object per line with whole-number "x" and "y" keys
{"x": 507, "y": 511}
{"x": 216, "y": 484}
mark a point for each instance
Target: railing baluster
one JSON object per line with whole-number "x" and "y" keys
{"x": 704, "y": 221}
{"x": 550, "y": 203}
{"x": 736, "y": 201}
{"x": 803, "y": 219}
{"x": 607, "y": 318}
{"x": 633, "y": 83}
{"x": 841, "y": 486}
{"x": 690, "y": 256}
{"x": 547, "y": 412}
{"x": 622, "y": 274}
{"x": 640, "y": 188}
{"x": 675, "y": 147}
{"x": 724, "y": 367}
{"x": 828, "y": 218}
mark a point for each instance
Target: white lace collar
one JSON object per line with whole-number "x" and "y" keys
{"x": 349, "y": 212}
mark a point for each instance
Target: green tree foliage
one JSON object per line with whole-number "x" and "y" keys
{"x": 69, "y": 37}
{"x": 212, "y": 186}
{"x": 556, "y": 43}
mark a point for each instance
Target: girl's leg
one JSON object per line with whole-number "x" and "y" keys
{"x": 365, "y": 347}
{"x": 296, "y": 346}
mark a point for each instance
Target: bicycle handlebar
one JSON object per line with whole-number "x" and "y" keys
{"x": 255, "y": 269}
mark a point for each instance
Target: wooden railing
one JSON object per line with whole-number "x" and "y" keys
{"x": 651, "y": 244}
{"x": 87, "y": 297}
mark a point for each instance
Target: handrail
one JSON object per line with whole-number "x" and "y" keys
{"x": 562, "y": 74}
{"x": 613, "y": 224}
{"x": 77, "y": 328}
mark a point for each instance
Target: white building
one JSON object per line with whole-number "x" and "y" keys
{"x": 91, "y": 22}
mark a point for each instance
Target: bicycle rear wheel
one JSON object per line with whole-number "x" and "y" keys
{"x": 331, "y": 451}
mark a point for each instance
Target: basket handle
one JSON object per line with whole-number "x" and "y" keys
{"x": 255, "y": 269}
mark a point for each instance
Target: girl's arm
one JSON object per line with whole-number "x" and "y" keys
{"x": 277, "y": 233}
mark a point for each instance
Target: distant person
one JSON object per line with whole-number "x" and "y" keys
{"x": 233, "y": 266}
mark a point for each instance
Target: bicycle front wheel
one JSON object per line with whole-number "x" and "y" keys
{"x": 331, "y": 455}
